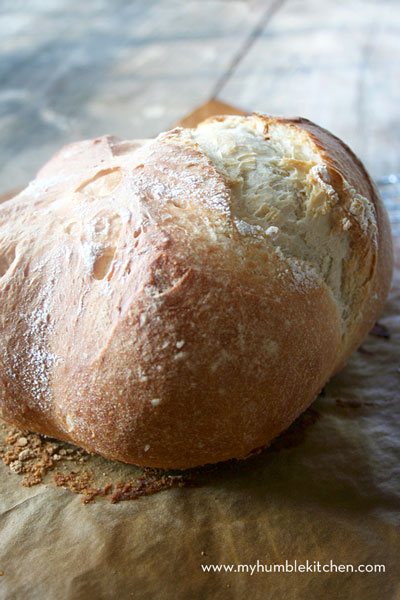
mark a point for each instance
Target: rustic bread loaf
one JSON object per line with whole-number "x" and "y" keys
{"x": 179, "y": 301}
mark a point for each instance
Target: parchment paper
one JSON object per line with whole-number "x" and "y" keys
{"x": 329, "y": 489}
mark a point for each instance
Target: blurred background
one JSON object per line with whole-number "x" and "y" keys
{"x": 74, "y": 69}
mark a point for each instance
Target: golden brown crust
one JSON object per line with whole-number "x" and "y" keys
{"x": 132, "y": 326}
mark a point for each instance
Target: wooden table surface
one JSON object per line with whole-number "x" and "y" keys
{"x": 71, "y": 70}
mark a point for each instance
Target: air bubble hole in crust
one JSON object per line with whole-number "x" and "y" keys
{"x": 72, "y": 228}
{"x": 102, "y": 184}
{"x": 102, "y": 263}
{"x": 6, "y": 260}
{"x": 136, "y": 235}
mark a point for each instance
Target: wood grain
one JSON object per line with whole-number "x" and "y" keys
{"x": 336, "y": 63}
{"x": 209, "y": 109}
{"x": 75, "y": 70}
{"x": 79, "y": 70}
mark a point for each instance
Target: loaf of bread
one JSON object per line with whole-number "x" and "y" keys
{"x": 180, "y": 301}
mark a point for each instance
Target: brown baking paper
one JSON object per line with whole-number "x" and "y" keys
{"x": 327, "y": 490}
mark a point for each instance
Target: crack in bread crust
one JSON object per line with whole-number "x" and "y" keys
{"x": 278, "y": 179}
